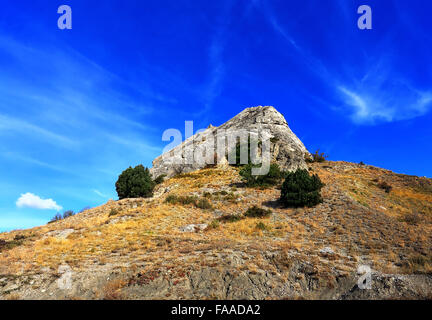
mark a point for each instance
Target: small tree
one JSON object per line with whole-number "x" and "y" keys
{"x": 301, "y": 190}
{"x": 68, "y": 213}
{"x": 57, "y": 217}
{"x": 135, "y": 183}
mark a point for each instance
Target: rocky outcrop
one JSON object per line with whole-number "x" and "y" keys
{"x": 286, "y": 149}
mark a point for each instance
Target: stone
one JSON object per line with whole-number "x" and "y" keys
{"x": 193, "y": 227}
{"x": 286, "y": 149}
{"x": 327, "y": 250}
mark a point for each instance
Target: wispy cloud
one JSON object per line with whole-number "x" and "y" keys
{"x": 11, "y": 124}
{"x": 379, "y": 94}
{"x": 30, "y": 200}
{"x": 100, "y": 194}
{"x": 216, "y": 49}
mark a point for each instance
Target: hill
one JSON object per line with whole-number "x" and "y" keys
{"x": 176, "y": 245}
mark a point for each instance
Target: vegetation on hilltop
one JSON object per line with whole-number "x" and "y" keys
{"x": 135, "y": 183}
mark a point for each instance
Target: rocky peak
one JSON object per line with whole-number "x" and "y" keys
{"x": 286, "y": 149}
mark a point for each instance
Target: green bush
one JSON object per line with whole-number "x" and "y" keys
{"x": 257, "y": 212}
{"x": 230, "y": 218}
{"x": 135, "y": 183}
{"x": 160, "y": 179}
{"x": 301, "y": 190}
{"x": 113, "y": 212}
{"x": 262, "y": 226}
{"x": 273, "y": 177}
{"x": 203, "y": 203}
{"x": 173, "y": 199}
{"x": 214, "y": 224}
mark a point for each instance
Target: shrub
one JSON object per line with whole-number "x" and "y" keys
{"x": 203, "y": 203}
{"x": 262, "y": 226}
{"x": 207, "y": 194}
{"x": 7, "y": 245}
{"x": 257, "y": 212}
{"x": 160, "y": 179}
{"x": 68, "y": 213}
{"x": 113, "y": 212}
{"x": 57, "y": 217}
{"x": 173, "y": 199}
{"x": 214, "y": 224}
{"x": 135, "y": 183}
{"x": 300, "y": 189}
{"x": 317, "y": 157}
{"x": 273, "y": 177}
{"x": 230, "y": 218}
{"x": 385, "y": 186}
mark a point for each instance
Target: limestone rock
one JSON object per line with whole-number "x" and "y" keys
{"x": 286, "y": 149}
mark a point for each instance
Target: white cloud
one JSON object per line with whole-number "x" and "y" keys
{"x": 30, "y": 200}
{"x": 100, "y": 194}
{"x": 369, "y": 105}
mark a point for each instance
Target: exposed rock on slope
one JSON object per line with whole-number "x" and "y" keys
{"x": 285, "y": 148}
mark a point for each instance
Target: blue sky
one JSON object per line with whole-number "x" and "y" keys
{"x": 79, "y": 106}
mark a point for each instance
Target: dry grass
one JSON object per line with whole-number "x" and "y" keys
{"x": 113, "y": 290}
{"x": 357, "y": 218}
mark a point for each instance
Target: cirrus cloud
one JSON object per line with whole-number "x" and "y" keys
{"x": 30, "y": 200}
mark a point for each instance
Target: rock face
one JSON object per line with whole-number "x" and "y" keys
{"x": 262, "y": 122}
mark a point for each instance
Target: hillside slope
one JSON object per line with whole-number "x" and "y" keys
{"x": 154, "y": 249}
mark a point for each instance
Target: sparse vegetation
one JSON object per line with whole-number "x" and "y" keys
{"x": 384, "y": 233}
{"x": 257, "y": 212}
{"x": 112, "y": 290}
{"x": 301, "y": 190}
{"x": 230, "y": 218}
{"x": 202, "y": 203}
{"x": 57, "y": 217}
{"x": 7, "y": 245}
{"x": 135, "y": 183}
{"x": 68, "y": 213}
{"x": 317, "y": 157}
{"x": 214, "y": 224}
{"x": 185, "y": 200}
